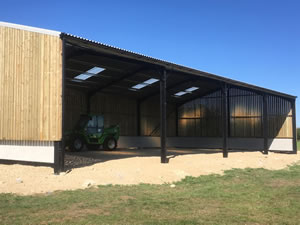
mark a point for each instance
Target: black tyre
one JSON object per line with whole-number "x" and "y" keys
{"x": 77, "y": 144}
{"x": 93, "y": 147}
{"x": 110, "y": 144}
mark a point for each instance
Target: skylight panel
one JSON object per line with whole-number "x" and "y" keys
{"x": 139, "y": 86}
{"x": 151, "y": 81}
{"x": 180, "y": 93}
{"x": 186, "y": 91}
{"x": 95, "y": 70}
{"x": 144, "y": 84}
{"x": 83, "y": 76}
{"x": 191, "y": 89}
{"x": 89, "y": 73}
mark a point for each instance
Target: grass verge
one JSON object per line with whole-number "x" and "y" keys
{"x": 250, "y": 196}
{"x": 298, "y": 145}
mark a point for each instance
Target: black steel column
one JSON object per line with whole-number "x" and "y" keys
{"x": 225, "y": 117}
{"x": 163, "y": 117}
{"x": 138, "y": 118}
{"x": 265, "y": 125}
{"x": 57, "y": 157}
{"x": 59, "y": 146}
{"x": 294, "y": 126}
{"x": 228, "y": 111}
{"x": 176, "y": 120}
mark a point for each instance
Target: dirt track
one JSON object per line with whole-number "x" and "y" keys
{"x": 131, "y": 167}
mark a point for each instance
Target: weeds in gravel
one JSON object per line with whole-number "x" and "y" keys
{"x": 250, "y": 196}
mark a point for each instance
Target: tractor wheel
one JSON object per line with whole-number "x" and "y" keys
{"x": 77, "y": 144}
{"x": 110, "y": 144}
{"x": 93, "y": 147}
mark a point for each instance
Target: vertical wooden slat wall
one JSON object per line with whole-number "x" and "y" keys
{"x": 30, "y": 85}
{"x": 150, "y": 118}
{"x": 118, "y": 110}
{"x": 202, "y": 117}
{"x": 279, "y": 117}
{"x": 75, "y": 105}
{"x": 245, "y": 113}
{"x": 115, "y": 109}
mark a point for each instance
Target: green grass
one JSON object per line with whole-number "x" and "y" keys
{"x": 298, "y": 145}
{"x": 250, "y": 196}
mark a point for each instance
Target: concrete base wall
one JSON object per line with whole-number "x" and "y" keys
{"x": 30, "y": 151}
{"x": 194, "y": 142}
{"x": 201, "y": 142}
{"x": 180, "y": 142}
{"x": 43, "y": 152}
{"x": 281, "y": 144}
{"x": 246, "y": 143}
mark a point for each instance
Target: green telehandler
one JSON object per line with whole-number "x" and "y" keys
{"x": 90, "y": 131}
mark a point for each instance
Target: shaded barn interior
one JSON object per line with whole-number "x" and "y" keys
{"x": 194, "y": 118}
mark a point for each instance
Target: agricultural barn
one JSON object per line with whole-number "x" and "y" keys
{"x": 48, "y": 79}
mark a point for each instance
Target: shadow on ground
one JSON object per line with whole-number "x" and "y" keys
{"x": 88, "y": 158}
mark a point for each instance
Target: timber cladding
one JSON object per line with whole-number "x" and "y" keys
{"x": 118, "y": 110}
{"x": 30, "y": 85}
{"x": 202, "y": 117}
{"x": 198, "y": 118}
{"x": 150, "y": 118}
{"x": 115, "y": 109}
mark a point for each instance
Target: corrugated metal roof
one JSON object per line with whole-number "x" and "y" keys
{"x": 117, "y": 48}
{"x": 171, "y": 66}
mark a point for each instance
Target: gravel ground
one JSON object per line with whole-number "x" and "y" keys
{"x": 128, "y": 167}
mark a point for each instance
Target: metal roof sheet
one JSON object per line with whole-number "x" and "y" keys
{"x": 172, "y": 66}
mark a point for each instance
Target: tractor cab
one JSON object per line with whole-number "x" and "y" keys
{"x": 93, "y": 124}
{"x": 90, "y": 131}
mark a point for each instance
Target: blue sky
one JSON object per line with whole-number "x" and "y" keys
{"x": 255, "y": 41}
